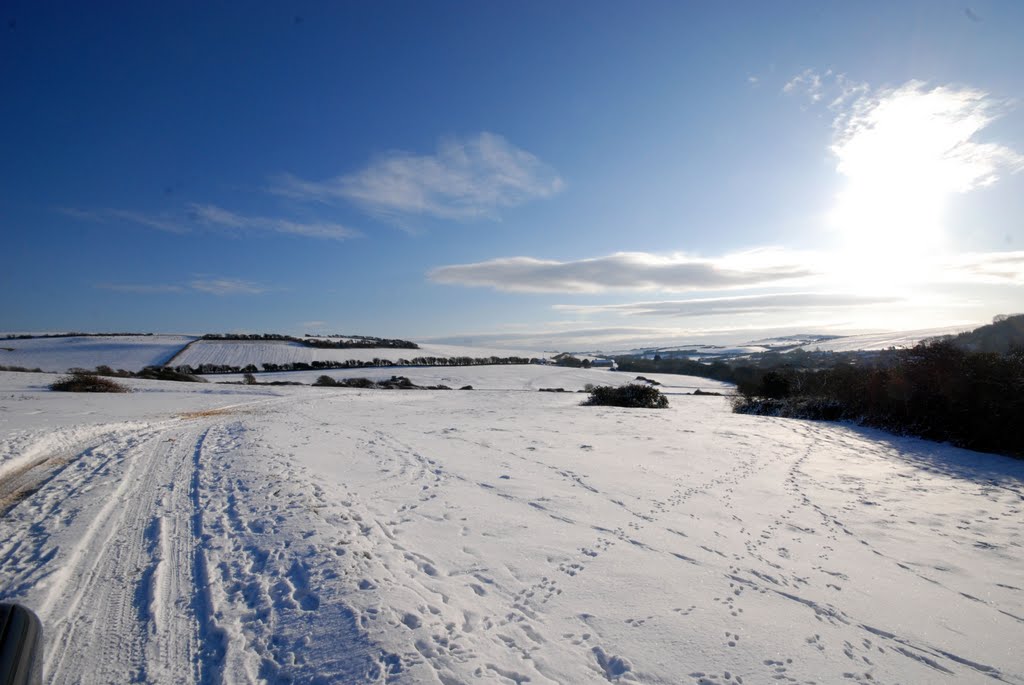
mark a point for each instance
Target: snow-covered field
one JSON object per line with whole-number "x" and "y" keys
{"x": 214, "y": 533}
{"x": 131, "y": 353}
{"x": 499, "y": 377}
{"x": 882, "y": 341}
{"x": 241, "y": 353}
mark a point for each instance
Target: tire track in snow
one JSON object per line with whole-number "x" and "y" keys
{"x": 134, "y": 562}
{"x": 104, "y": 549}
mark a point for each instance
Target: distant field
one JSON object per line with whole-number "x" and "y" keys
{"x": 499, "y": 377}
{"x": 241, "y": 353}
{"x": 131, "y": 353}
{"x": 882, "y": 341}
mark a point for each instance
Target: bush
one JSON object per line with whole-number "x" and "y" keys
{"x": 86, "y": 382}
{"x": 325, "y": 381}
{"x": 357, "y": 383}
{"x": 812, "y": 408}
{"x": 164, "y": 373}
{"x": 631, "y": 395}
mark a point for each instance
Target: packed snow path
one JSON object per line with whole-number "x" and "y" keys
{"x": 325, "y": 535}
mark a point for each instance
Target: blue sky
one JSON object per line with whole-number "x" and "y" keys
{"x": 552, "y": 174}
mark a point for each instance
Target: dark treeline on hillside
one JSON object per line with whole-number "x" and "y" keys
{"x": 936, "y": 391}
{"x": 1001, "y": 336}
{"x": 570, "y": 361}
{"x": 717, "y": 370}
{"x": 966, "y": 389}
{"x": 355, "y": 364}
{"x": 362, "y": 342}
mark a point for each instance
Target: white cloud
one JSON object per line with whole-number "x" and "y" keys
{"x": 925, "y": 137}
{"x": 985, "y": 267}
{"x": 227, "y": 286}
{"x": 465, "y": 179}
{"x": 141, "y": 288}
{"x": 211, "y": 285}
{"x": 903, "y": 151}
{"x": 808, "y": 82}
{"x": 161, "y": 222}
{"x": 627, "y": 271}
{"x": 211, "y": 215}
{"x": 746, "y": 304}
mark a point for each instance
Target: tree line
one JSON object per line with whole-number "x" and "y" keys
{"x": 353, "y": 364}
{"x": 357, "y": 342}
{"x": 936, "y": 391}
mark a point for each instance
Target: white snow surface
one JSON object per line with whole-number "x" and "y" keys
{"x": 882, "y": 341}
{"x": 243, "y": 352}
{"x": 194, "y": 533}
{"x": 131, "y": 353}
{"x": 497, "y": 377}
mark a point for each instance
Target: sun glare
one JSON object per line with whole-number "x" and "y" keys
{"x": 903, "y": 153}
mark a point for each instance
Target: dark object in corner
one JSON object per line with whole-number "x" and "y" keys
{"x": 21, "y": 646}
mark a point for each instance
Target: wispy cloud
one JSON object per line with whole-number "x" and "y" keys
{"x": 828, "y": 87}
{"x": 217, "y": 217}
{"x": 211, "y": 285}
{"x": 808, "y": 82}
{"x": 465, "y": 179}
{"x": 161, "y": 222}
{"x": 985, "y": 267}
{"x": 627, "y": 271}
{"x": 141, "y": 288}
{"x": 747, "y": 304}
{"x": 227, "y": 286}
{"x": 212, "y": 217}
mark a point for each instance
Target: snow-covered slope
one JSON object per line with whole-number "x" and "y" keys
{"x": 241, "y": 353}
{"x": 131, "y": 353}
{"x": 210, "y": 533}
{"x": 882, "y": 341}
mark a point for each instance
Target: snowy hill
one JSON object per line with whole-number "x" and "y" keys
{"x": 128, "y": 352}
{"x": 240, "y": 353}
{"x": 882, "y": 341}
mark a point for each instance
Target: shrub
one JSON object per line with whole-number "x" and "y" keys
{"x": 325, "y": 381}
{"x": 86, "y": 382}
{"x": 357, "y": 383}
{"x": 165, "y": 373}
{"x": 631, "y": 395}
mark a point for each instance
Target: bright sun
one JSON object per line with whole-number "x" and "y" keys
{"x": 903, "y": 152}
